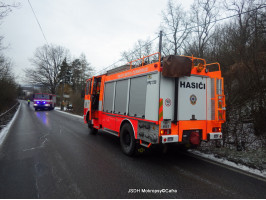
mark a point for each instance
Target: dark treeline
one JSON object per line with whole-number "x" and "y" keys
{"x": 239, "y": 45}
{"x": 9, "y": 89}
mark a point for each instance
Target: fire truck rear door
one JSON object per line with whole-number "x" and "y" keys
{"x": 192, "y": 98}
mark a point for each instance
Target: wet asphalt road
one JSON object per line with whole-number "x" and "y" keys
{"x": 49, "y": 154}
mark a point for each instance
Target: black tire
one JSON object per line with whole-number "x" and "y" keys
{"x": 92, "y": 131}
{"x": 127, "y": 140}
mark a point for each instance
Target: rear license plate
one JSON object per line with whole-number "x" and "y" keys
{"x": 170, "y": 139}
{"x": 215, "y": 136}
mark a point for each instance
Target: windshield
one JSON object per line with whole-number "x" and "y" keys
{"x": 41, "y": 96}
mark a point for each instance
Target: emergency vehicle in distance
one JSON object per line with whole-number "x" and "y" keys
{"x": 44, "y": 101}
{"x": 150, "y": 101}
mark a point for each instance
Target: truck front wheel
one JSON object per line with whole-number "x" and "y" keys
{"x": 92, "y": 130}
{"x": 127, "y": 140}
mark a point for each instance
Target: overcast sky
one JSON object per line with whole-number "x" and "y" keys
{"x": 101, "y": 29}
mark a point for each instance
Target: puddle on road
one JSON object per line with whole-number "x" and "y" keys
{"x": 43, "y": 117}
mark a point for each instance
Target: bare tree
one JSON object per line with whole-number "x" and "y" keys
{"x": 248, "y": 40}
{"x": 203, "y": 14}
{"x": 47, "y": 62}
{"x": 8, "y": 86}
{"x": 175, "y": 27}
{"x": 239, "y": 46}
{"x": 140, "y": 49}
{"x": 5, "y": 67}
{"x": 6, "y": 8}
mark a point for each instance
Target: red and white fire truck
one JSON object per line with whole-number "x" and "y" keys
{"x": 44, "y": 101}
{"x": 148, "y": 101}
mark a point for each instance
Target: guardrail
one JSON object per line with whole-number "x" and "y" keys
{"x": 2, "y": 114}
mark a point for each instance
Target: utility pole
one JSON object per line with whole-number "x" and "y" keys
{"x": 160, "y": 42}
{"x": 62, "y": 94}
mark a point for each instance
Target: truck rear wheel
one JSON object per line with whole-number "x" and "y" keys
{"x": 127, "y": 140}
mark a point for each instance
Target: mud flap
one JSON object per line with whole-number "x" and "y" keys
{"x": 194, "y": 138}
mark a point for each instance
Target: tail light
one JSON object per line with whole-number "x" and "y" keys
{"x": 216, "y": 129}
{"x": 165, "y": 131}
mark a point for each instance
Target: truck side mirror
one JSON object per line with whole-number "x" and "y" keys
{"x": 82, "y": 94}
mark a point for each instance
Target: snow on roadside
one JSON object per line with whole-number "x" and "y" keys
{"x": 59, "y": 110}
{"x": 229, "y": 163}
{"x": 5, "y": 130}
